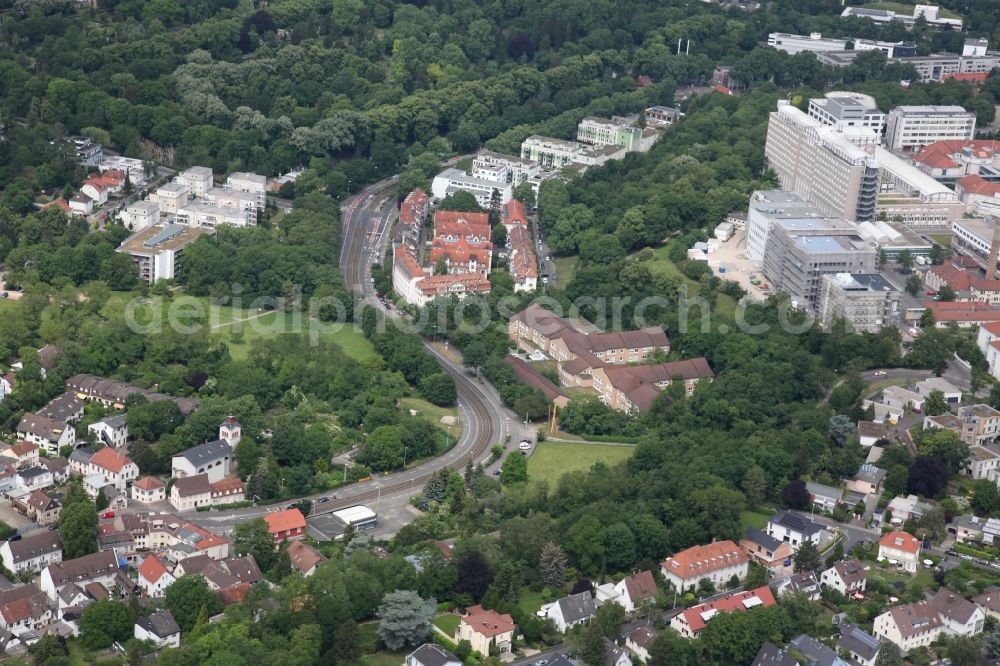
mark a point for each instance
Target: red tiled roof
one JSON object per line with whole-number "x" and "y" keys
{"x": 515, "y": 213}
{"x": 640, "y": 586}
{"x": 936, "y": 157}
{"x": 696, "y": 616}
{"x": 23, "y": 448}
{"x": 962, "y": 312}
{"x": 978, "y": 185}
{"x": 109, "y": 459}
{"x": 152, "y": 569}
{"x": 148, "y": 483}
{"x": 722, "y": 89}
{"x": 303, "y": 556}
{"x": 442, "y": 284}
{"x": 700, "y": 560}
{"x": 414, "y": 205}
{"x": 967, "y": 76}
{"x": 406, "y": 262}
{"x": 900, "y": 541}
{"x": 459, "y": 217}
{"x": 283, "y": 521}
{"x": 233, "y": 594}
{"x": 489, "y": 623}
{"x": 227, "y": 485}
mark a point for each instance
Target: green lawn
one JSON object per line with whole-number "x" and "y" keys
{"x": 565, "y": 270}
{"x": 944, "y": 240}
{"x": 447, "y": 623}
{"x": 529, "y": 601}
{"x": 724, "y": 305}
{"x": 753, "y": 519}
{"x": 433, "y": 414}
{"x": 553, "y": 459}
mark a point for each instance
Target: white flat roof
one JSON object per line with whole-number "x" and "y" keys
{"x": 913, "y": 176}
{"x": 354, "y": 514}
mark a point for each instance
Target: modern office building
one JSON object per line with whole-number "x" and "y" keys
{"x": 157, "y": 250}
{"x": 930, "y": 13}
{"x": 866, "y": 300}
{"x": 910, "y": 128}
{"x": 800, "y": 252}
{"x": 825, "y": 166}
{"x": 940, "y": 66}
{"x": 814, "y": 42}
{"x": 504, "y": 168}
{"x": 200, "y": 214}
{"x": 616, "y": 132}
{"x": 767, "y": 206}
{"x": 910, "y": 196}
{"x": 848, "y": 111}
{"x": 890, "y": 49}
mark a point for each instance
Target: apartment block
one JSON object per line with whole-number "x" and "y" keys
{"x": 824, "y": 166}
{"x": 157, "y": 250}
{"x": 912, "y": 127}
{"x": 498, "y": 167}
{"x": 171, "y": 196}
{"x": 450, "y": 181}
{"x": 251, "y": 183}
{"x": 140, "y": 215}
{"x": 941, "y": 66}
{"x": 867, "y": 300}
{"x": 550, "y": 153}
{"x": 205, "y": 215}
{"x": 616, "y": 132}
{"x": 198, "y": 179}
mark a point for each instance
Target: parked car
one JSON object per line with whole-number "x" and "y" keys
{"x": 525, "y": 445}
{"x": 322, "y": 500}
{"x": 108, "y": 514}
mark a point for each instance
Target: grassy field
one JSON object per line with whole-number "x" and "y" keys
{"x": 724, "y": 305}
{"x": 944, "y": 240}
{"x": 447, "y": 623}
{"x": 433, "y": 414}
{"x": 238, "y": 327}
{"x": 553, "y": 459}
{"x": 565, "y": 269}
{"x": 753, "y": 519}
{"x": 529, "y": 601}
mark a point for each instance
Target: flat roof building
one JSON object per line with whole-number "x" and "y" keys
{"x": 867, "y": 300}
{"x": 930, "y": 13}
{"x": 910, "y": 128}
{"x": 157, "y": 250}
{"x": 848, "y": 111}
{"x": 450, "y": 181}
{"x": 814, "y": 42}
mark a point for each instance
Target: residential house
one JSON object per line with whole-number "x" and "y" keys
{"x": 191, "y": 492}
{"x": 980, "y": 424}
{"x": 59, "y": 467}
{"x": 975, "y": 530}
{"x": 304, "y": 558}
{"x": 952, "y": 394}
{"x": 285, "y": 525}
{"x": 814, "y": 652}
{"x": 989, "y": 602}
{"x": 640, "y": 640}
{"x": 81, "y": 204}
{"x": 635, "y": 590}
{"x": 149, "y": 489}
{"x": 34, "y": 478}
{"x": 429, "y": 654}
{"x": 46, "y": 433}
{"x": 900, "y": 547}
{"x": 774, "y": 554}
{"x": 116, "y": 469}
{"x": 826, "y": 498}
{"x": 73, "y": 596}
{"x": 772, "y": 655}
{"x": 121, "y": 542}
{"x": 846, "y": 576}
{"x": 571, "y": 611}
{"x": 7, "y": 384}
{"x": 24, "y": 610}
{"x": 867, "y": 481}
{"x": 100, "y": 567}
{"x": 111, "y": 431}
{"x": 212, "y": 458}
{"x": 803, "y": 582}
{"x": 24, "y": 453}
{"x": 486, "y": 629}
{"x": 690, "y": 622}
{"x": 615, "y": 655}
{"x": 860, "y": 646}
{"x": 112, "y": 393}
{"x": 231, "y": 577}
{"x": 42, "y": 509}
{"x": 870, "y": 432}
{"x": 528, "y": 375}
{"x": 66, "y": 408}
{"x": 172, "y": 535}
{"x": 984, "y": 462}
{"x": 904, "y": 508}
{"x": 919, "y": 624}
{"x": 32, "y": 552}
{"x": 154, "y": 577}
{"x": 719, "y": 562}
{"x": 794, "y": 529}
{"x": 161, "y": 628}
{"x": 883, "y": 413}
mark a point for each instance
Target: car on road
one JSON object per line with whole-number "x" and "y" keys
{"x": 545, "y": 279}
{"x": 951, "y": 553}
{"x": 496, "y": 472}
{"x": 525, "y": 445}
{"x": 541, "y": 662}
{"x": 880, "y": 373}
{"x": 321, "y": 500}
{"x": 108, "y": 514}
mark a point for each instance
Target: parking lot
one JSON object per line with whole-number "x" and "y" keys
{"x": 738, "y": 268}
{"x": 392, "y": 515}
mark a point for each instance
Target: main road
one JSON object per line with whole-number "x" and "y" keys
{"x": 367, "y": 222}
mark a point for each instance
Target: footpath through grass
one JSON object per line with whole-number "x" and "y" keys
{"x": 553, "y": 459}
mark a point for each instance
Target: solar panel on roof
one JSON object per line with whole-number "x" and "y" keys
{"x": 163, "y": 236}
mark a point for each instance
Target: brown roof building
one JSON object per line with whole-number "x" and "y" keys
{"x": 304, "y": 557}
{"x": 718, "y": 562}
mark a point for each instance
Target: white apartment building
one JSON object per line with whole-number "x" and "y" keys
{"x": 912, "y": 127}
{"x": 236, "y": 199}
{"x": 550, "y": 153}
{"x": 197, "y": 214}
{"x": 506, "y": 168}
{"x": 157, "y": 250}
{"x": 719, "y": 562}
{"x": 919, "y": 624}
{"x": 171, "y": 196}
{"x": 111, "y": 431}
{"x": 814, "y": 42}
{"x": 141, "y": 214}
{"x": 450, "y": 181}
{"x": 198, "y": 179}
{"x": 32, "y": 552}
{"x": 249, "y": 182}
{"x": 100, "y": 567}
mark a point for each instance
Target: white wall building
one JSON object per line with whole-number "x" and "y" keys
{"x": 450, "y": 181}
{"x": 814, "y": 42}
{"x": 171, "y": 196}
{"x": 253, "y": 183}
{"x": 913, "y": 127}
{"x": 198, "y": 179}
{"x": 140, "y": 214}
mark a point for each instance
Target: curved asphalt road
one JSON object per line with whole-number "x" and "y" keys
{"x": 367, "y": 220}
